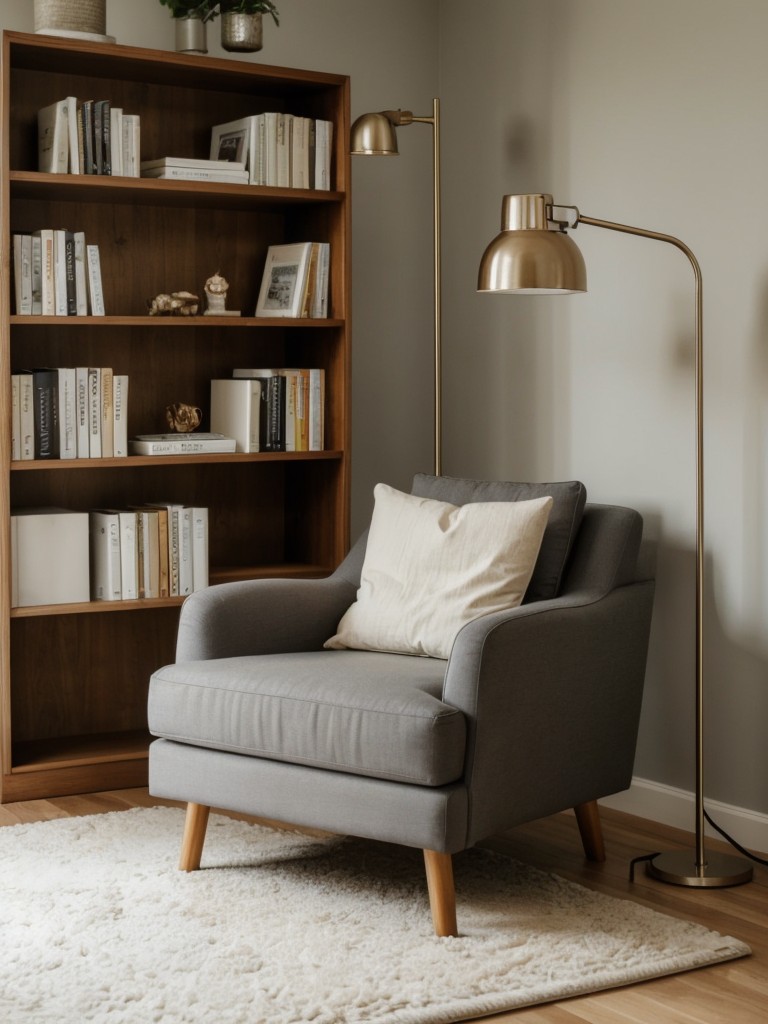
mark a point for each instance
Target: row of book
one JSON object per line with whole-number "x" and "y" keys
{"x": 88, "y": 137}
{"x": 271, "y": 410}
{"x": 69, "y": 413}
{"x": 284, "y": 150}
{"x": 57, "y": 273}
{"x": 61, "y": 556}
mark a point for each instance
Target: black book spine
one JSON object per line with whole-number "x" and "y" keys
{"x": 45, "y": 386}
{"x": 69, "y": 266}
{"x": 276, "y": 414}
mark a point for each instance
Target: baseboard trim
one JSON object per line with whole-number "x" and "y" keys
{"x": 677, "y": 808}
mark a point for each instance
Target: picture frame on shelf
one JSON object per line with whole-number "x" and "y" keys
{"x": 283, "y": 283}
{"x": 231, "y": 141}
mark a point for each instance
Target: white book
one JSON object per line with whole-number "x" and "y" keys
{"x": 197, "y": 174}
{"x": 47, "y": 273}
{"x": 191, "y": 162}
{"x": 81, "y": 282}
{"x": 53, "y": 138}
{"x": 292, "y": 390}
{"x": 148, "y": 555}
{"x": 323, "y": 151}
{"x": 37, "y": 275}
{"x": 82, "y": 420}
{"x": 15, "y": 417}
{"x": 120, "y": 414}
{"x": 199, "y": 548}
{"x": 186, "y": 578}
{"x": 316, "y": 410}
{"x": 72, "y": 135}
{"x": 131, "y": 145}
{"x": 94, "y": 412}
{"x": 106, "y": 571}
{"x": 284, "y": 129}
{"x": 50, "y": 556}
{"x": 319, "y": 306}
{"x": 300, "y": 153}
{"x": 270, "y": 148}
{"x": 26, "y": 416}
{"x": 60, "y": 272}
{"x": 116, "y": 140}
{"x": 236, "y": 411}
{"x": 181, "y": 444}
{"x": 22, "y": 273}
{"x": 107, "y": 413}
{"x": 95, "y": 293}
{"x": 67, "y": 392}
{"x": 129, "y": 569}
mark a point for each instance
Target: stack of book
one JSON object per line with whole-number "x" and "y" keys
{"x": 182, "y": 444}
{"x": 88, "y": 137}
{"x": 69, "y": 413}
{"x": 189, "y": 169}
{"x": 154, "y": 550}
{"x": 271, "y": 410}
{"x": 56, "y": 273}
{"x": 279, "y": 149}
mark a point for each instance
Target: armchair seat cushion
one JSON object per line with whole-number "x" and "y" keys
{"x": 379, "y": 715}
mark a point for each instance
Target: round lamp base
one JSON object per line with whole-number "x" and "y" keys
{"x": 719, "y": 871}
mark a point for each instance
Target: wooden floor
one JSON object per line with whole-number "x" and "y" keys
{"x": 730, "y": 993}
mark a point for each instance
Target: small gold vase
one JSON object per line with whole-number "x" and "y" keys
{"x": 190, "y": 35}
{"x": 241, "y": 32}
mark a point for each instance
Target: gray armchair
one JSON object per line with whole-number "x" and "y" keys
{"x": 535, "y": 711}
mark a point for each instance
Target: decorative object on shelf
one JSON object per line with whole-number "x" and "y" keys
{"x": 375, "y": 135}
{"x": 183, "y": 418}
{"x": 533, "y": 254}
{"x": 190, "y": 17}
{"x": 241, "y": 24}
{"x": 216, "y": 294}
{"x": 73, "y": 19}
{"x": 175, "y": 304}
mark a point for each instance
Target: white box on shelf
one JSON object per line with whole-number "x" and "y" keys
{"x": 49, "y": 549}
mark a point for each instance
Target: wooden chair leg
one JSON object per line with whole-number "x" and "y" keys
{"x": 442, "y": 894}
{"x": 194, "y": 836}
{"x": 588, "y": 818}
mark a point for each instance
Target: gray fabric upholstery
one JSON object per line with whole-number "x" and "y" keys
{"x": 547, "y": 696}
{"x": 370, "y": 714}
{"x": 564, "y": 520}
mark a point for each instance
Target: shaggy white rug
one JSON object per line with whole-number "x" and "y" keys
{"x": 97, "y": 924}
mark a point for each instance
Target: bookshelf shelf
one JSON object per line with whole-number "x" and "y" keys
{"x": 74, "y": 677}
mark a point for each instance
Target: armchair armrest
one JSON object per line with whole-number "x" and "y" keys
{"x": 551, "y": 692}
{"x": 261, "y": 617}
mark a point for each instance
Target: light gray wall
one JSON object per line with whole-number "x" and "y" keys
{"x": 650, "y": 113}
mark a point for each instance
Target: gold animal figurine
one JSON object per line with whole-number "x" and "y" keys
{"x": 183, "y": 418}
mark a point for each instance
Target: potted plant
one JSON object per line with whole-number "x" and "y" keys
{"x": 190, "y": 18}
{"x": 241, "y": 23}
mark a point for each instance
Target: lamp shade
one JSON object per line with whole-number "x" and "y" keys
{"x": 527, "y": 256}
{"x": 373, "y": 135}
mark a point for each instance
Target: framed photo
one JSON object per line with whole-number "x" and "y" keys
{"x": 231, "y": 141}
{"x": 284, "y": 282}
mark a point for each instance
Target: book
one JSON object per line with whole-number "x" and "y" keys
{"x": 284, "y": 128}
{"x": 197, "y": 174}
{"x": 81, "y": 284}
{"x": 72, "y": 135}
{"x": 85, "y": 137}
{"x": 37, "y": 275}
{"x": 104, "y": 544}
{"x": 300, "y": 152}
{"x": 283, "y": 282}
{"x": 107, "y": 413}
{"x": 199, "y": 548}
{"x": 82, "y": 418}
{"x": 316, "y": 410}
{"x": 53, "y": 138}
{"x": 182, "y": 444}
{"x": 94, "y": 412}
{"x": 15, "y": 417}
{"x": 165, "y": 162}
{"x": 47, "y": 278}
{"x": 26, "y": 416}
{"x": 131, "y": 145}
{"x": 60, "y": 272}
{"x": 95, "y": 293}
{"x": 323, "y": 153}
{"x": 116, "y": 140}
{"x": 120, "y": 414}
{"x": 129, "y": 569}
{"x": 236, "y": 411}
{"x": 45, "y": 383}
{"x": 67, "y": 415}
{"x": 49, "y": 551}
{"x": 69, "y": 273}
{"x": 103, "y": 140}
{"x": 22, "y": 274}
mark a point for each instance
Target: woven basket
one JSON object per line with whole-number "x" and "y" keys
{"x": 71, "y": 16}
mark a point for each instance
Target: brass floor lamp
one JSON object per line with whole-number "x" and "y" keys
{"x": 533, "y": 254}
{"x": 375, "y": 135}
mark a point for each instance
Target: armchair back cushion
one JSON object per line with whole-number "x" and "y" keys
{"x": 568, "y": 499}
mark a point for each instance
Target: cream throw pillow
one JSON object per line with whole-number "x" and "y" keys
{"x": 431, "y": 567}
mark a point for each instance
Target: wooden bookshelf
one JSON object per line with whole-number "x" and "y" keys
{"x": 73, "y": 678}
